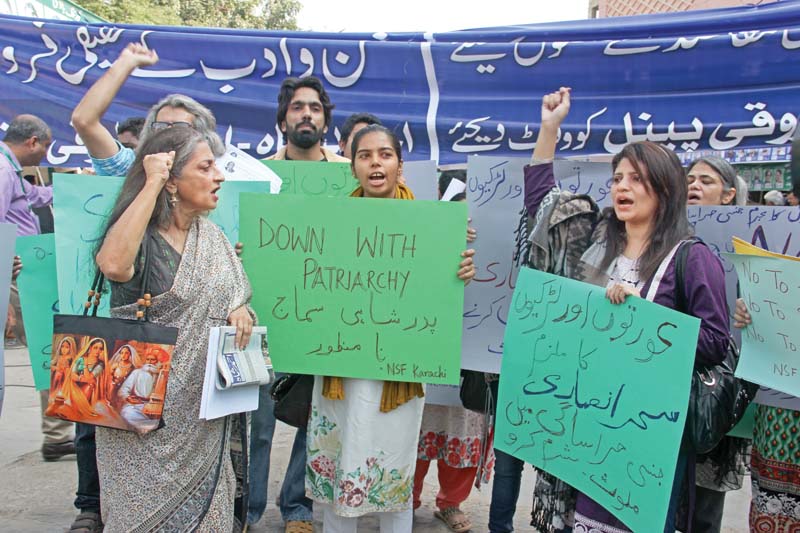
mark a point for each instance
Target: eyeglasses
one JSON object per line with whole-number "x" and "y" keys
{"x": 163, "y": 125}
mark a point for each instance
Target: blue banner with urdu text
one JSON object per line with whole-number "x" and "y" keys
{"x": 715, "y": 79}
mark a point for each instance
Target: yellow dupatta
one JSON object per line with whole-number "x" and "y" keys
{"x": 395, "y": 393}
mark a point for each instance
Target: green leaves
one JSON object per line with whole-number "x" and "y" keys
{"x": 254, "y": 14}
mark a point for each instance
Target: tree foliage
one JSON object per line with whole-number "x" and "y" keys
{"x": 257, "y": 14}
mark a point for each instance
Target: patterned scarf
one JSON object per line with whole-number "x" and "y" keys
{"x": 395, "y": 393}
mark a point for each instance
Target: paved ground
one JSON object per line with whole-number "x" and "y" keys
{"x": 37, "y": 497}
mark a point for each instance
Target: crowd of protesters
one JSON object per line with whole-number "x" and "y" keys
{"x": 168, "y": 160}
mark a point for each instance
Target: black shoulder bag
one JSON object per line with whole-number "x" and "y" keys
{"x": 292, "y": 396}
{"x": 475, "y": 393}
{"x": 718, "y": 399}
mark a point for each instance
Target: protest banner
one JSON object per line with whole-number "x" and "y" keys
{"x": 8, "y": 233}
{"x": 422, "y": 178}
{"x": 226, "y": 215}
{"x": 38, "y": 295}
{"x": 770, "y": 287}
{"x": 357, "y": 287}
{"x": 494, "y": 197}
{"x": 82, "y": 206}
{"x": 775, "y": 229}
{"x": 585, "y": 177}
{"x": 313, "y": 178}
{"x": 445, "y": 94}
{"x": 576, "y": 393}
{"x": 772, "y": 228}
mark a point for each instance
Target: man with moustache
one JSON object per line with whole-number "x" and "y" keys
{"x": 136, "y": 390}
{"x": 304, "y": 115}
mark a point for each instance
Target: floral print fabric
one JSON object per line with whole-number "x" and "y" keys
{"x": 457, "y": 436}
{"x": 360, "y": 460}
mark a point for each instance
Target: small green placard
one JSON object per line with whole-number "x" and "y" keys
{"x": 314, "y": 178}
{"x": 81, "y": 205}
{"x": 38, "y": 296}
{"x": 770, "y": 287}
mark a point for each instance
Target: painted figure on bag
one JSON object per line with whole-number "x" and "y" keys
{"x": 62, "y": 360}
{"x": 122, "y": 363}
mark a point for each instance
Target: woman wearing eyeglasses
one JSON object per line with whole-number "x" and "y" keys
{"x": 109, "y": 157}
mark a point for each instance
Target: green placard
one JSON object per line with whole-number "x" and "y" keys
{"x": 770, "y": 287}
{"x": 226, "y": 215}
{"x": 314, "y": 178}
{"x": 38, "y": 295}
{"x": 744, "y": 429}
{"x": 357, "y": 287}
{"x": 596, "y": 393}
{"x": 82, "y": 205}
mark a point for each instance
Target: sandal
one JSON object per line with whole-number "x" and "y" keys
{"x": 454, "y": 518}
{"x": 87, "y": 522}
{"x": 299, "y": 526}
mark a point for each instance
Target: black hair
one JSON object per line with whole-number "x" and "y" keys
{"x": 460, "y": 197}
{"x": 287, "y": 90}
{"x": 375, "y": 128}
{"x": 449, "y": 175}
{"x": 357, "y": 118}
{"x": 133, "y": 125}
{"x": 662, "y": 174}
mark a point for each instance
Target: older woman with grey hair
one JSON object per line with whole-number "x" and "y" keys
{"x": 180, "y": 477}
{"x": 713, "y": 181}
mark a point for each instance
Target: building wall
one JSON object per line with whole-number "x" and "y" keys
{"x": 621, "y": 8}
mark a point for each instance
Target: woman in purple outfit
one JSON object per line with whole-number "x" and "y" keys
{"x": 619, "y": 248}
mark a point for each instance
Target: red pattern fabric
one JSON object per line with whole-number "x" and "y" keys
{"x": 456, "y": 452}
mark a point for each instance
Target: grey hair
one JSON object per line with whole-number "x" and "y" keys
{"x": 742, "y": 191}
{"x": 204, "y": 120}
{"x": 23, "y": 127}
{"x": 721, "y": 167}
{"x": 184, "y": 142}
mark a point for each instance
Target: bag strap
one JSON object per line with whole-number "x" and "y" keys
{"x": 732, "y": 356}
{"x": 144, "y": 301}
{"x": 662, "y": 269}
{"x": 95, "y": 292}
{"x": 145, "y": 298}
{"x": 680, "y": 271}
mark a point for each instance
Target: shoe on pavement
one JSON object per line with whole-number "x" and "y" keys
{"x": 87, "y": 522}
{"x": 54, "y": 451}
{"x": 299, "y": 526}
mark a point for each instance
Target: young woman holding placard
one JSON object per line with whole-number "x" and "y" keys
{"x": 362, "y": 434}
{"x": 621, "y": 248}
